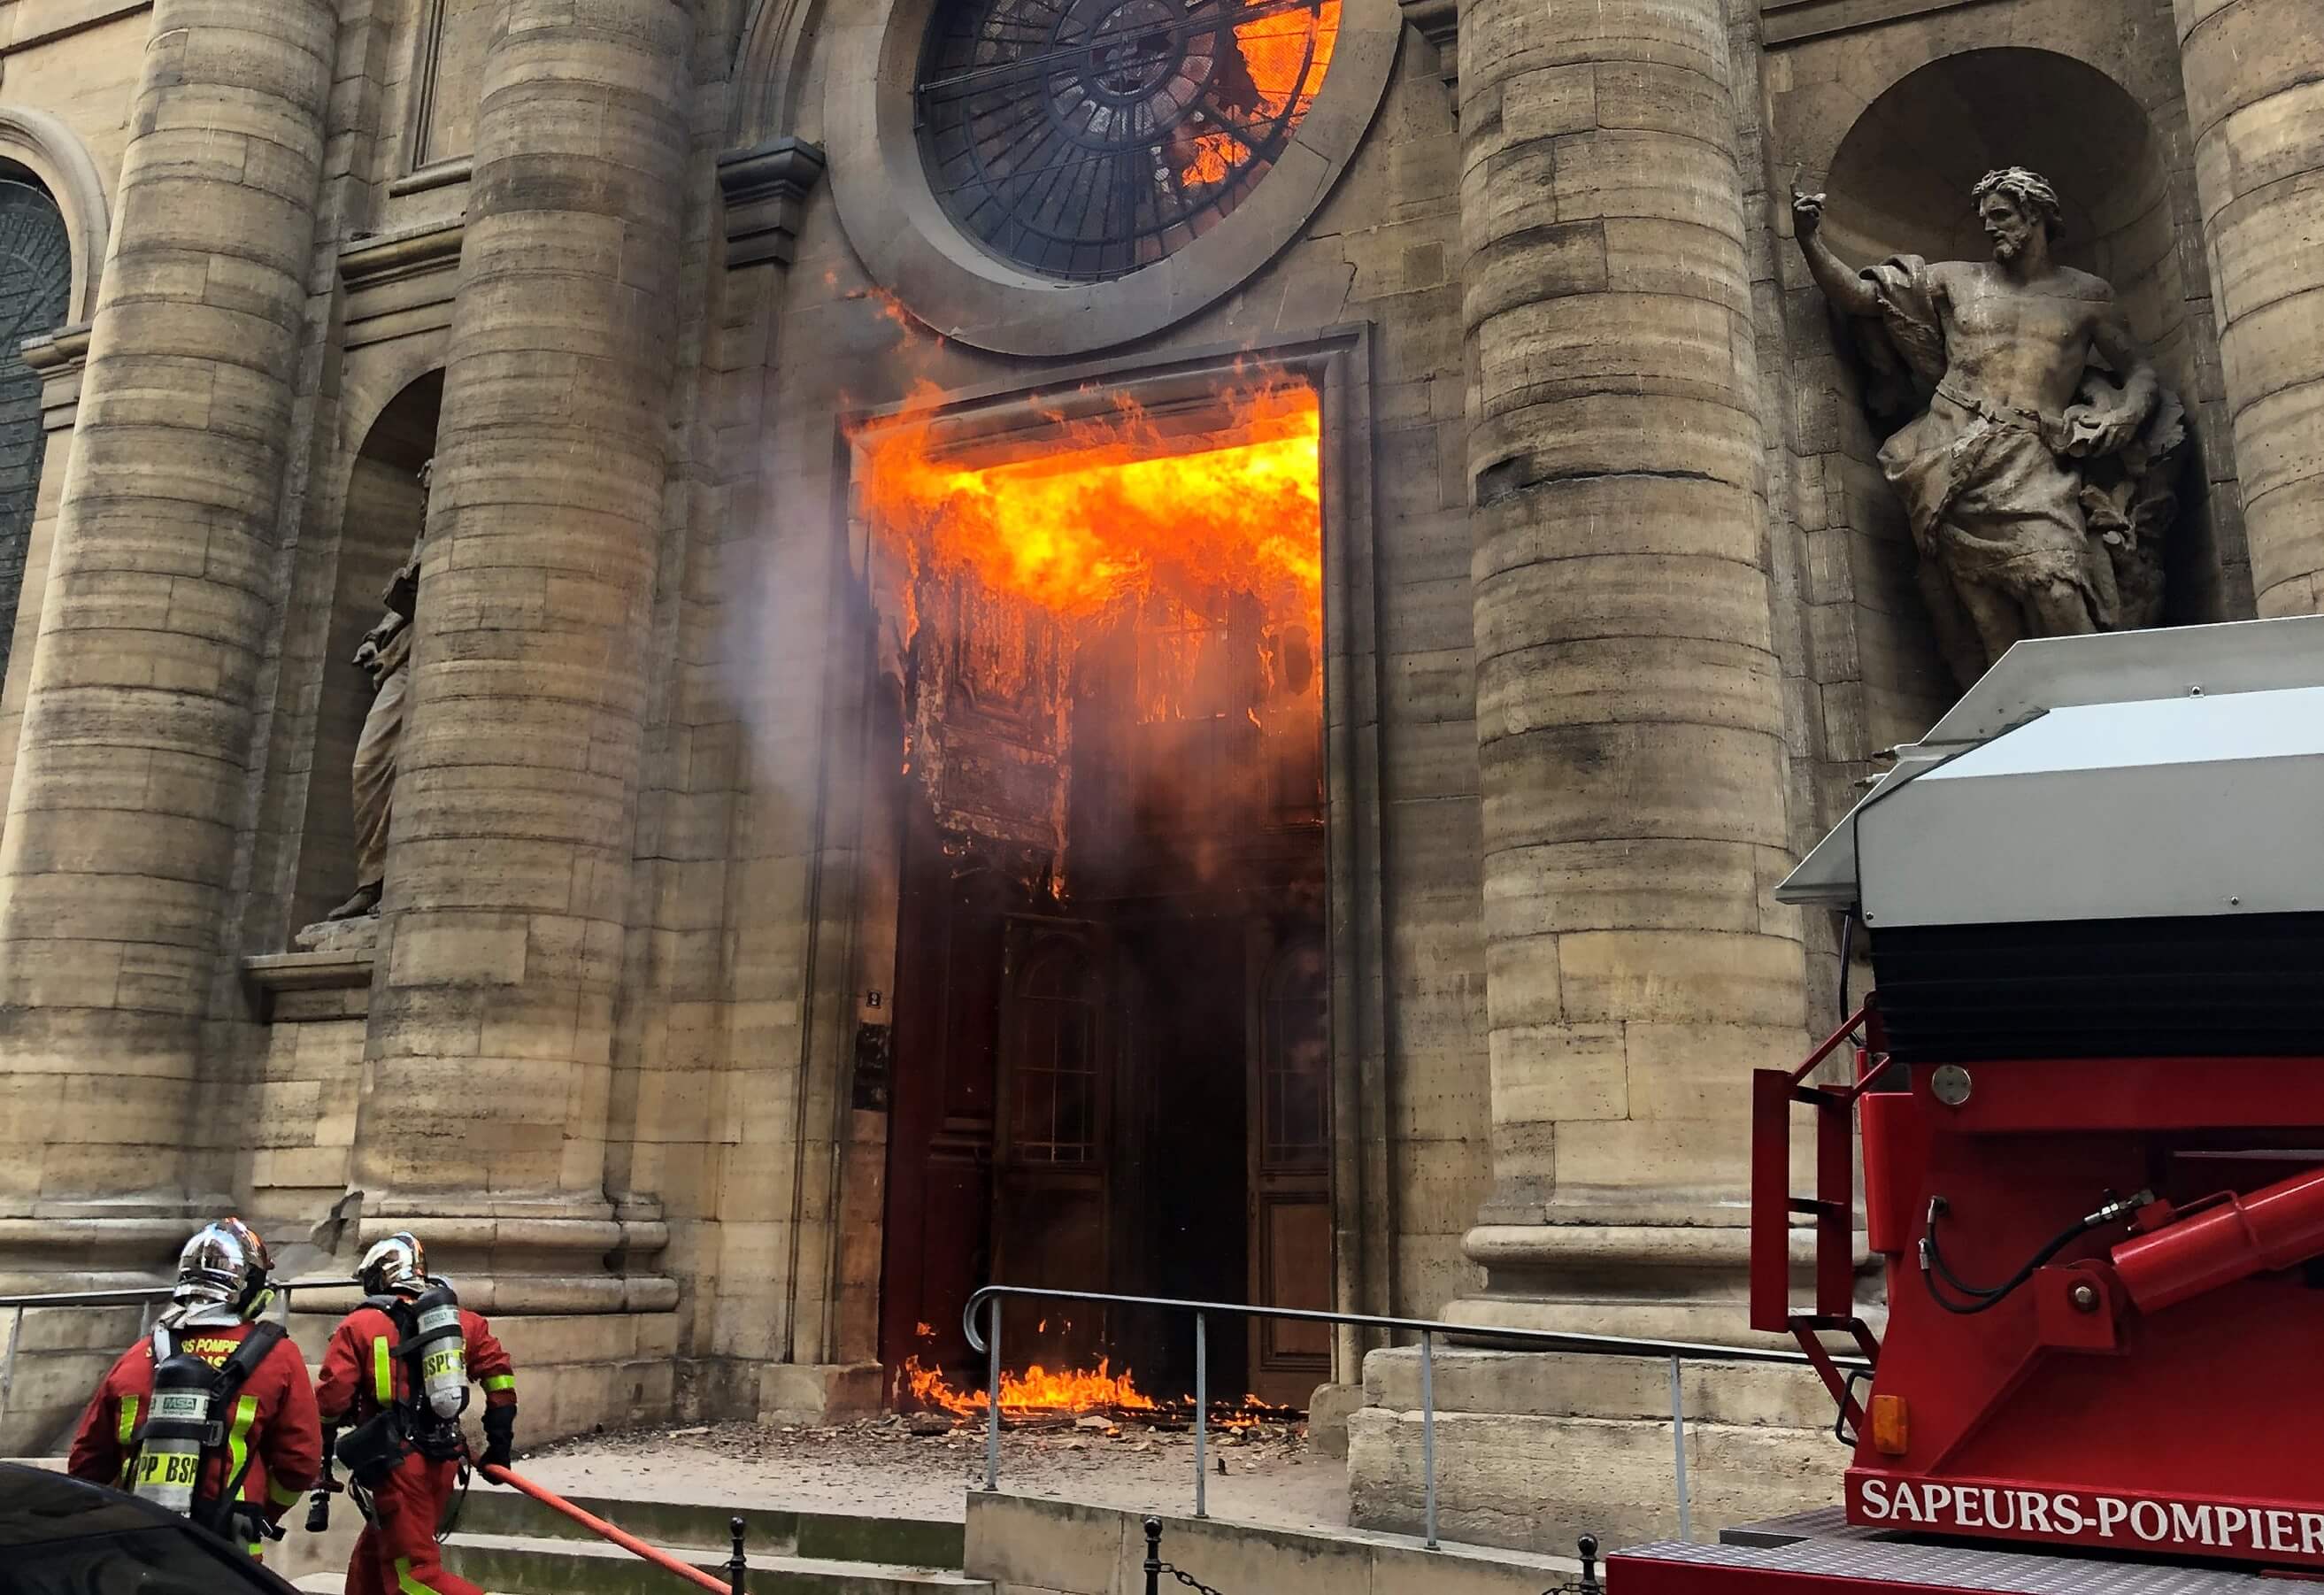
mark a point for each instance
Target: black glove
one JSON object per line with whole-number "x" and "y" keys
{"x": 499, "y": 1435}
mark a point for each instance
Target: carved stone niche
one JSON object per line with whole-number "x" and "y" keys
{"x": 1899, "y": 184}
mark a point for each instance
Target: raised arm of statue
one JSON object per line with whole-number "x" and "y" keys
{"x": 1848, "y": 290}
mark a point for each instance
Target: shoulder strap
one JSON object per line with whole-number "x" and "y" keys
{"x": 256, "y": 1348}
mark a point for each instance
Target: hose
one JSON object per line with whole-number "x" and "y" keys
{"x": 599, "y": 1526}
{"x": 1984, "y": 1299}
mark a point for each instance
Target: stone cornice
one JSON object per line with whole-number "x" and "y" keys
{"x": 61, "y": 359}
{"x": 1789, "y": 21}
{"x": 1439, "y": 23}
{"x": 764, "y": 188}
{"x": 400, "y": 285}
{"x": 55, "y": 354}
{"x": 370, "y": 262}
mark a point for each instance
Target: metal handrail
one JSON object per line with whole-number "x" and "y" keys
{"x": 1675, "y": 1352}
{"x": 146, "y": 1295}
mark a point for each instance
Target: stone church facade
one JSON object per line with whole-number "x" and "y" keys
{"x": 705, "y": 1048}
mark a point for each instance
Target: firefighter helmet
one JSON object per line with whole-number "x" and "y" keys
{"x": 226, "y": 1263}
{"x": 396, "y": 1264}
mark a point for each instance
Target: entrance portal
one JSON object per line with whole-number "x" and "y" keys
{"x": 1111, "y": 1046}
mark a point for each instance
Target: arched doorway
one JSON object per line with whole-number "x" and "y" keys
{"x": 386, "y": 510}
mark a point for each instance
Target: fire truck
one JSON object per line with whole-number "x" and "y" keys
{"x": 2086, "y": 1096}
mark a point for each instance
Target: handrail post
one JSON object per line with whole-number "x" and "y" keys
{"x": 1153, "y": 1556}
{"x": 1678, "y": 1451}
{"x": 1428, "y": 1430}
{"x": 1202, "y": 1417}
{"x": 993, "y": 1396}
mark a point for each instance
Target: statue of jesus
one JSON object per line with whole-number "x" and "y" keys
{"x": 2037, "y": 485}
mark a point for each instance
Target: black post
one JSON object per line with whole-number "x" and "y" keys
{"x": 1153, "y": 1556}
{"x": 1587, "y": 1546}
{"x": 738, "y": 1566}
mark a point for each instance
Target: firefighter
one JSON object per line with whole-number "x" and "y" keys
{"x": 397, "y": 1373}
{"x": 212, "y": 1413}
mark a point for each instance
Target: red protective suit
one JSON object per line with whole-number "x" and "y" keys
{"x": 397, "y": 1554}
{"x": 273, "y": 1437}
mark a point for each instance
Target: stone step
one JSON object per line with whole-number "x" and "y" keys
{"x": 682, "y": 1525}
{"x": 521, "y": 1564}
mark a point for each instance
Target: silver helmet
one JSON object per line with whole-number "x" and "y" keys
{"x": 395, "y": 1263}
{"x": 226, "y": 1263}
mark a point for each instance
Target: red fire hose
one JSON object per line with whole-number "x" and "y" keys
{"x": 598, "y": 1526}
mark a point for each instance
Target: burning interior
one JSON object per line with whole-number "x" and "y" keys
{"x": 1101, "y": 726}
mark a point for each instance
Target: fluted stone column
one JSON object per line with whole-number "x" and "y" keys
{"x": 2255, "y": 72}
{"x": 484, "y": 1098}
{"x": 116, "y": 872}
{"x": 1628, "y": 710}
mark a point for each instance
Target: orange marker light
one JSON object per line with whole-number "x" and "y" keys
{"x": 1892, "y": 1428}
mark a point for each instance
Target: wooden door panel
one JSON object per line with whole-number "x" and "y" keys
{"x": 1295, "y": 1242}
{"x": 1290, "y": 1164}
{"x": 1051, "y": 1223}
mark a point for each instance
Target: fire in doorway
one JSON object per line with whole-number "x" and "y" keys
{"x": 1103, "y": 644}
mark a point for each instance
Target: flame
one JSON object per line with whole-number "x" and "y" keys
{"x": 1215, "y": 155}
{"x": 1038, "y": 1392}
{"x": 1035, "y": 1390}
{"x": 1118, "y": 510}
{"x": 1282, "y": 82}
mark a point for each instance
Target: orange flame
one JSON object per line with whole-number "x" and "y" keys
{"x": 1282, "y": 79}
{"x": 1040, "y": 1393}
{"x": 1035, "y": 1390}
{"x": 1118, "y": 509}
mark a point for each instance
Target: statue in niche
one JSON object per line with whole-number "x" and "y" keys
{"x": 2039, "y": 465}
{"x": 385, "y": 652}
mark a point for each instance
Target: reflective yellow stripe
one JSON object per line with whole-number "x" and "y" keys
{"x": 383, "y": 1372}
{"x": 498, "y": 1381}
{"x": 280, "y": 1496}
{"x": 128, "y": 1432}
{"x": 405, "y": 1583}
{"x": 238, "y": 1438}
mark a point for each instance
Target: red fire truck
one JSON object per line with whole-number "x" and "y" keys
{"x": 2088, "y": 1093}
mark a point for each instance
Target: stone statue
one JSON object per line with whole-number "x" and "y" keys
{"x": 2039, "y": 472}
{"x": 385, "y": 652}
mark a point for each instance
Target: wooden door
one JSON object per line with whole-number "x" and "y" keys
{"x": 940, "y": 1143}
{"x": 1290, "y": 1163}
{"x": 1052, "y": 1160}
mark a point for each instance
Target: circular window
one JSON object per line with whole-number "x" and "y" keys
{"x": 1087, "y": 138}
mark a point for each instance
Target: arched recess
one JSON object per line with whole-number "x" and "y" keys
{"x": 770, "y": 70}
{"x": 1900, "y": 180}
{"x": 1897, "y": 175}
{"x": 35, "y": 294}
{"x": 55, "y": 156}
{"x": 385, "y": 510}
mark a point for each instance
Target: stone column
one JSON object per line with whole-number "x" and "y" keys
{"x": 1628, "y": 708}
{"x": 117, "y": 871}
{"x": 483, "y": 1113}
{"x": 2255, "y": 72}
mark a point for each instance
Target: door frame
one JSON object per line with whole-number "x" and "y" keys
{"x": 1175, "y": 390}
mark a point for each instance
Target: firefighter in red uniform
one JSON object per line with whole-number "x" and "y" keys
{"x": 212, "y": 1415}
{"x": 397, "y": 1371}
